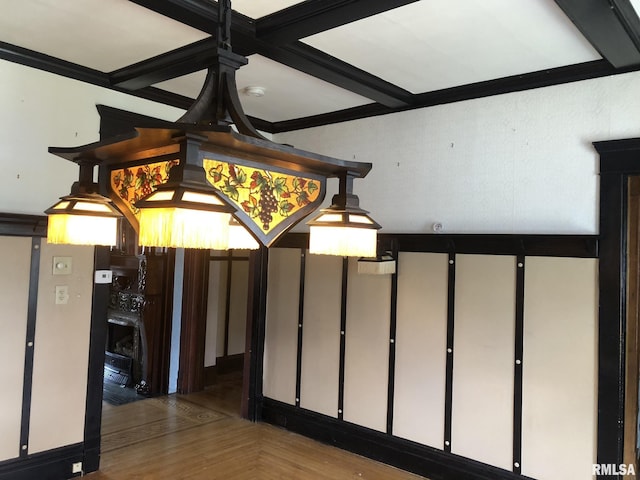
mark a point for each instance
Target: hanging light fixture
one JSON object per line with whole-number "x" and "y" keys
{"x": 84, "y": 217}
{"x": 344, "y": 228}
{"x": 218, "y": 164}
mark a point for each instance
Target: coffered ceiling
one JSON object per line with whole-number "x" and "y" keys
{"x": 325, "y": 61}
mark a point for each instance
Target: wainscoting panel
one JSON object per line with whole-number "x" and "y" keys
{"x": 367, "y": 348}
{"x": 61, "y": 352}
{"x": 281, "y": 335}
{"x": 321, "y": 335}
{"x": 421, "y": 348}
{"x": 238, "y": 307}
{"x": 15, "y": 258}
{"x": 483, "y": 353}
{"x": 560, "y": 368}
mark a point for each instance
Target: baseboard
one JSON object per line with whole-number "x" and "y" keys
{"x": 230, "y": 363}
{"x": 404, "y": 454}
{"x": 50, "y": 465}
{"x": 210, "y": 375}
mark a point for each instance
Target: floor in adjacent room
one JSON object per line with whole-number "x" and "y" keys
{"x": 201, "y": 436}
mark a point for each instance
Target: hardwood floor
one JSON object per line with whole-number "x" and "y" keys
{"x": 201, "y": 436}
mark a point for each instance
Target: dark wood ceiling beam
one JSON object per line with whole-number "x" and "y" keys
{"x": 318, "y": 64}
{"x": 176, "y": 63}
{"x": 313, "y": 16}
{"x": 203, "y": 15}
{"x": 296, "y": 55}
{"x": 611, "y": 26}
{"x": 516, "y": 83}
{"x": 30, "y": 58}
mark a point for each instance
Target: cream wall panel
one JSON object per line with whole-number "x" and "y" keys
{"x": 61, "y": 352}
{"x": 215, "y": 311}
{"x": 15, "y": 258}
{"x": 367, "y": 348}
{"x": 321, "y": 334}
{"x": 483, "y": 362}
{"x": 559, "y": 405}
{"x": 238, "y": 306}
{"x": 281, "y": 335}
{"x": 421, "y": 345}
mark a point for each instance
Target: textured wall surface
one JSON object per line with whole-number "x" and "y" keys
{"x": 515, "y": 163}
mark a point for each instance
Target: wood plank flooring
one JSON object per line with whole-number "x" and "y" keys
{"x": 201, "y": 436}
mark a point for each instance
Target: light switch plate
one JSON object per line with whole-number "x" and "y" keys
{"x": 62, "y": 294}
{"x": 62, "y": 265}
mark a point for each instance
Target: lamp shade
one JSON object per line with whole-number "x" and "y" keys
{"x": 83, "y": 219}
{"x": 240, "y": 238}
{"x": 183, "y": 217}
{"x": 344, "y": 233}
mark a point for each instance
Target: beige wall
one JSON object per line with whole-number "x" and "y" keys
{"x": 559, "y": 364}
{"x": 61, "y": 347}
{"x": 15, "y": 258}
{"x": 61, "y": 355}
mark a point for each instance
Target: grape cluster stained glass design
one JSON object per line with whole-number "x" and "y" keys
{"x": 132, "y": 184}
{"x": 264, "y": 197}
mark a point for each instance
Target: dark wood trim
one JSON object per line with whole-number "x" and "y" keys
{"x": 518, "y": 365}
{"x": 256, "y": 321}
{"x": 32, "y": 310}
{"x": 619, "y": 159}
{"x": 194, "y": 318}
{"x": 343, "y": 334}
{"x": 393, "y": 321}
{"x": 49, "y": 465}
{"x": 611, "y": 342}
{"x": 309, "y": 60}
{"x": 303, "y": 258}
{"x": 612, "y": 28}
{"x": 578, "y": 246}
{"x": 95, "y": 375}
{"x": 314, "y": 16}
{"x": 224, "y": 365}
{"x": 516, "y": 83}
{"x": 230, "y": 363}
{"x": 227, "y": 305}
{"x": 404, "y": 454}
{"x": 448, "y": 389}
{"x": 17, "y": 225}
{"x": 57, "y": 66}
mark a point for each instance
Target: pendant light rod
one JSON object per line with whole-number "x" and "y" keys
{"x": 218, "y": 103}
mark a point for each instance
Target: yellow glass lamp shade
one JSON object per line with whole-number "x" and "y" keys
{"x": 83, "y": 219}
{"x": 181, "y": 218}
{"x": 240, "y": 238}
{"x": 343, "y": 233}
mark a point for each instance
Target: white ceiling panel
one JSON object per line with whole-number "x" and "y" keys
{"x": 434, "y": 44}
{"x": 260, "y": 8}
{"x": 288, "y": 92}
{"x": 101, "y": 34}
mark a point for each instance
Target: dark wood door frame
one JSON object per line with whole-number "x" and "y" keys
{"x": 619, "y": 160}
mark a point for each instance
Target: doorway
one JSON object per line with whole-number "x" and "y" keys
{"x": 632, "y": 340}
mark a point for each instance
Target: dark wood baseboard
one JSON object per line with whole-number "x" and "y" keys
{"x": 50, "y": 465}
{"x": 410, "y": 456}
{"x": 224, "y": 365}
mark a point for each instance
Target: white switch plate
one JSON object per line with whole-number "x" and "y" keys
{"x": 61, "y": 265}
{"x": 76, "y": 467}
{"x": 62, "y": 294}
